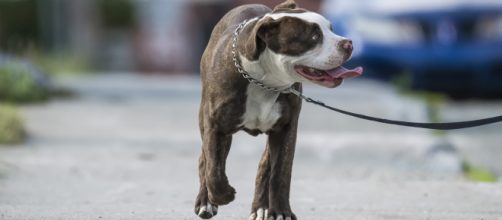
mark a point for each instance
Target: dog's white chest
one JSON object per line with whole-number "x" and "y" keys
{"x": 262, "y": 110}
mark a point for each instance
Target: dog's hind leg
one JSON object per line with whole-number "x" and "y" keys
{"x": 260, "y": 201}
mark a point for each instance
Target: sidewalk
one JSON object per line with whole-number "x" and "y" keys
{"x": 127, "y": 148}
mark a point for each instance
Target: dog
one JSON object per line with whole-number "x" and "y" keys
{"x": 280, "y": 48}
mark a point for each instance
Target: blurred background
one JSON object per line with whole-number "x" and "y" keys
{"x": 99, "y": 102}
{"x": 116, "y": 35}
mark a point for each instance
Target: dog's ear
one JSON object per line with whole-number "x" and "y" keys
{"x": 258, "y": 37}
{"x": 288, "y": 4}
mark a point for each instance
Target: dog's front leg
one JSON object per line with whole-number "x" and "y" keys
{"x": 203, "y": 208}
{"x": 260, "y": 201}
{"x": 216, "y": 146}
{"x": 282, "y": 148}
{"x": 214, "y": 189}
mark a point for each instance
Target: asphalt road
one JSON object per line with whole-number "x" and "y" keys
{"x": 127, "y": 148}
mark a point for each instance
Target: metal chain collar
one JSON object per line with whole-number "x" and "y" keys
{"x": 246, "y": 74}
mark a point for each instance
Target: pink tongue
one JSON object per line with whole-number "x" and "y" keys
{"x": 343, "y": 73}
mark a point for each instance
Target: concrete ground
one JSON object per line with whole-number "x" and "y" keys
{"x": 127, "y": 148}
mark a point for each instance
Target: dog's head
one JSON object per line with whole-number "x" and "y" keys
{"x": 302, "y": 45}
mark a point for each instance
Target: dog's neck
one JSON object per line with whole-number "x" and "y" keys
{"x": 268, "y": 69}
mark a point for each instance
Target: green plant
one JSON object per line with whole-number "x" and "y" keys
{"x": 64, "y": 63}
{"x": 17, "y": 85}
{"x": 11, "y": 125}
{"x": 478, "y": 174}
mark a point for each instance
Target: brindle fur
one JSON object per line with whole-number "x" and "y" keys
{"x": 223, "y": 105}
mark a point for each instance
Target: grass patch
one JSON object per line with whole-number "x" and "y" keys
{"x": 17, "y": 85}
{"x": 478, "y": 174}
{"x": 61, "y": 63}
{"x": 11, "y": 125}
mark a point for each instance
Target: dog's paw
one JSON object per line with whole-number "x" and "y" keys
{"x": 260, "y": 214}
{"x": 281, "y": 216}
{"x": 206, "y": 211}
{"x": 221, "y": 194}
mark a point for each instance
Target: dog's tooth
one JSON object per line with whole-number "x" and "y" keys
{"x": 279, "y": 217}
{"x": 312, "y": 70}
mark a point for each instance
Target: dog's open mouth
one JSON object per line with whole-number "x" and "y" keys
{"x": 328, "y": 78}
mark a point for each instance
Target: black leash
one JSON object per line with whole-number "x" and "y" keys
{"x": 435, "y": 126}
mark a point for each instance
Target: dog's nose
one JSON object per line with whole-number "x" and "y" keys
{"x": 346, "y": 45}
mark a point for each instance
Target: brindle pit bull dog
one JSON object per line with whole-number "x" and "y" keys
{"x": 281, "y": 48}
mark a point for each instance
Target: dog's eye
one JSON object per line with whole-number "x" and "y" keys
{"x": 315, "y": 37}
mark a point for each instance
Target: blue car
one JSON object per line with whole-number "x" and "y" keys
{"x": 453, "y": 47}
